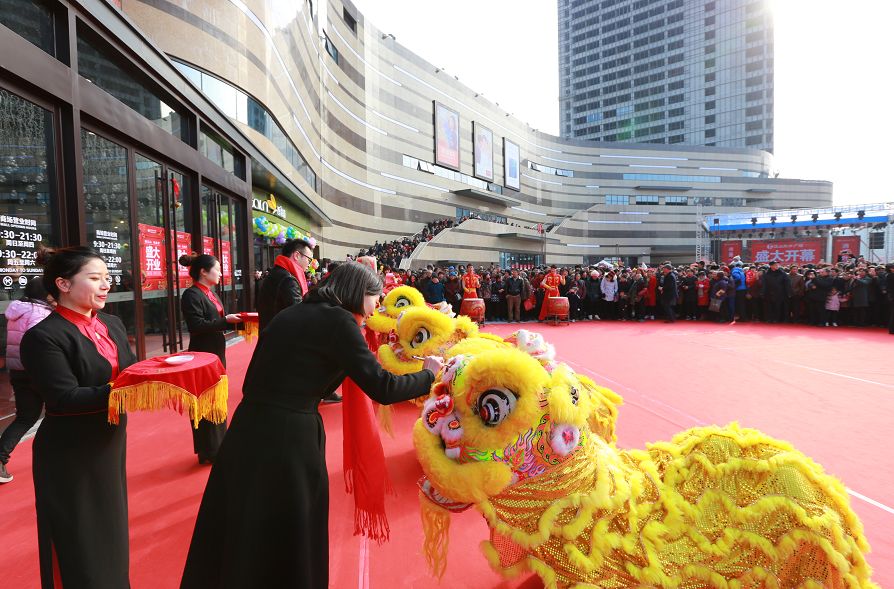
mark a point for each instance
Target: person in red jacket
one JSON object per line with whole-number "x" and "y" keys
{"x": 703, "y": 288}
{"x": 651, "y": 293}
{"x": 550, "y": 285}
{"x": 471, "y": 283}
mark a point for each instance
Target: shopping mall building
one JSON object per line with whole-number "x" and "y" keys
{"x": 146, "y": 128}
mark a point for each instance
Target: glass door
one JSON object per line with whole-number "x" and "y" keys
{"x": 221, "y": 215}
{"x": 163, "y": 235}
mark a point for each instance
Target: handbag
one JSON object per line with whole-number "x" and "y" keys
{"x": 715, "y": 305}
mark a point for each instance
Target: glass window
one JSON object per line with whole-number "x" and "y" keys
{"x": 677, "y": 201}
{"x": 646, "y": 199}
{"x": 27, "y": 203}
{"x": 32, "y": 20}
{"x": 95, "y": 66}
{"x": 877, "y": 240}
{"x": 107, "y": 211}
{"x": 27, "y": 191}
{"x": 617, "y": 199}
{"x": 219, "y": 151}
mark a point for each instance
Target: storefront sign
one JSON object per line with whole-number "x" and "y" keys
{"x": 108, "y": 246}
{"x": 850, "y": 244}
{"x": 18, "y": 256}
{"x": 269, "y": 206}
{"x": 183, "y": 242}
{"x": 804, "y": 251}
{"x": 729, "y": 250}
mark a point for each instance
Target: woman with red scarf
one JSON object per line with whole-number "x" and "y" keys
{"x": 651, "y": 293}
{"x": 206, "y": 321}
{"x": 264, "y": 518}
{"x": 80, "y": 486}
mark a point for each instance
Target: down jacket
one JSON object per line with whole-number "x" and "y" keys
{"x": 20, "y": 317}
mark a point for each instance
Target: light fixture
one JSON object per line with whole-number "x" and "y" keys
{"x": 837, "y": 215}
{"x": 794, "y": 218}
{"x": 815, "y": 217}
{"x": 861, "y": 214}
{"x": 773, "y": 220}
{"x": 754, "y": 220}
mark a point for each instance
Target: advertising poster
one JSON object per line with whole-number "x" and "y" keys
{"x": 844, "y": 245}
{"x": 182, "y": 241}
{"x": 225, "y": 258}
{"x": 446, "y": 136}
{"x": 18, "y": 255}
{"x": 511, "y": 158}
{"x": 484, "y": 152}
{"x": 151, "y": 240}
{"x": 729, "y": 250}
{"x": 787, "y": 251}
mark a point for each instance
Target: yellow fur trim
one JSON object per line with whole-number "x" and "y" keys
{"x": 465, "y": 483}
{"x": 436, "y": 529}
{"x": 211, "y": 405}
{"x": 511, "y": 369}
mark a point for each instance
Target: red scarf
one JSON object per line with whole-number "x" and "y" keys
{"x": 292, "y": 268}
{"x": 211, "y": 297}
{"x": 96, "y": 331}
{"x": 364, "y": 461}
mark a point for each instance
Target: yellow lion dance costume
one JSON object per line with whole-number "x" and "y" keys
{"x": 716, "y": 507}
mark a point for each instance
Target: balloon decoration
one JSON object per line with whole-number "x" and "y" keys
{"x": 279, "y": 234}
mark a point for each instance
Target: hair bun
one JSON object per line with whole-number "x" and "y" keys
{"x": 44, "y": 254}
{"x": 186, "y": 260}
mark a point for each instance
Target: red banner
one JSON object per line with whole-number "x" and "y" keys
{"x": 729, "y": 250}
{"x": 183, "y": 242}
{"x": 849, "y": 244}
{"x": 789, "y": 251}
{"x": 153, "y": 270}
{"x": 225, "y": 258}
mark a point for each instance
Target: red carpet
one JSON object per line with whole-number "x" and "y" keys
{"x": 828, "y": 391}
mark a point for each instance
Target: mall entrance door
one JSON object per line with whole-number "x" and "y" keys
{"x": 164, "y": 229}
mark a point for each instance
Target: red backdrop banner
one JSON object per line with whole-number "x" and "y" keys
{"x": 840, "y": 243}
{"x": 787, "y": 251}
{"x": 729, "y": 250}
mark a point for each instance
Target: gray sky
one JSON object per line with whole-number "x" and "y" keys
{"x": 834, "y": 101}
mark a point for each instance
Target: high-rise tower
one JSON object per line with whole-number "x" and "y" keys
{"x": 698, "y": 72}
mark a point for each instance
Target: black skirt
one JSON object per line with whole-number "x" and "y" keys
{"x": 264, "y": 518}
{"x": 80, "y": 490}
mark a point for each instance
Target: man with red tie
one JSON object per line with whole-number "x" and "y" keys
{"x": 471, "y": 283}
{"x": 550, "y": 286}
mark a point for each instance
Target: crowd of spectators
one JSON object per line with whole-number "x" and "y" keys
{"x": 856, "y": 293}
{"x": 391, "y": 253}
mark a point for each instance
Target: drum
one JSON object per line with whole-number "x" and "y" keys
{"x": 557, "y": 309}
{"x": 473, "y": 309}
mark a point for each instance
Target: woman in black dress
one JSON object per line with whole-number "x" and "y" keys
{"x": 205, "y": 319}
{"x": 264, "y": 518}
{"x": 80, "y": 486}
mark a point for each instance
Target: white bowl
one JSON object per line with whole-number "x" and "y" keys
{"x": 183, "y": 359}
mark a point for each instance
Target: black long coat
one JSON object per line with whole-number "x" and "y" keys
{"x": 206, "y": 334}
{"x": 264, "y": 518}
{"x": 279, "y": 290}
{"x": 80, "y": 485}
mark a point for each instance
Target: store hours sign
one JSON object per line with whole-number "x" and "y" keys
{"x": 108, "y": 246}
{"x": 18, "y": 252}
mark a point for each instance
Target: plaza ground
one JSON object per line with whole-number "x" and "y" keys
{"x": 830, "y": 392}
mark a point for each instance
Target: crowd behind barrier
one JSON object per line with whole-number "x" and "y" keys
{"x": 852, "y": 292}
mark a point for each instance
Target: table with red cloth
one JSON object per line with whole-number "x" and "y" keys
{"x": 250, "y": 323}
{"x": 198, "y": 386}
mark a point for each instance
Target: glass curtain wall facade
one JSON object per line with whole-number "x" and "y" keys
{"x": 696, "y": 72}
{"x": 111, "y": 158}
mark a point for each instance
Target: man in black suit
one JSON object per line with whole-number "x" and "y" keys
{"x": 284, "y": 284}
{"x": 668, "y": 293}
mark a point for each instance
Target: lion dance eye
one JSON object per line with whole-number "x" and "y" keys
{"x": 421, "y": 337}
{"x": 575, "y": 395}
{"x": 495, "y": 405}
{"x": 402, "y": 302}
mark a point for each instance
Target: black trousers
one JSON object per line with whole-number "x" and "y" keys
{"x": 668, "y": 308}
{"x": 816, "y": 312}
{"x": 742, "y": 305}
{"x": 891, "y": 318}
{"x": 28, "y": 408}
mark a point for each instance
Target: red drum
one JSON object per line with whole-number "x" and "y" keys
{"x": 557, "y": 309}
{"x": 473, "y": 309}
